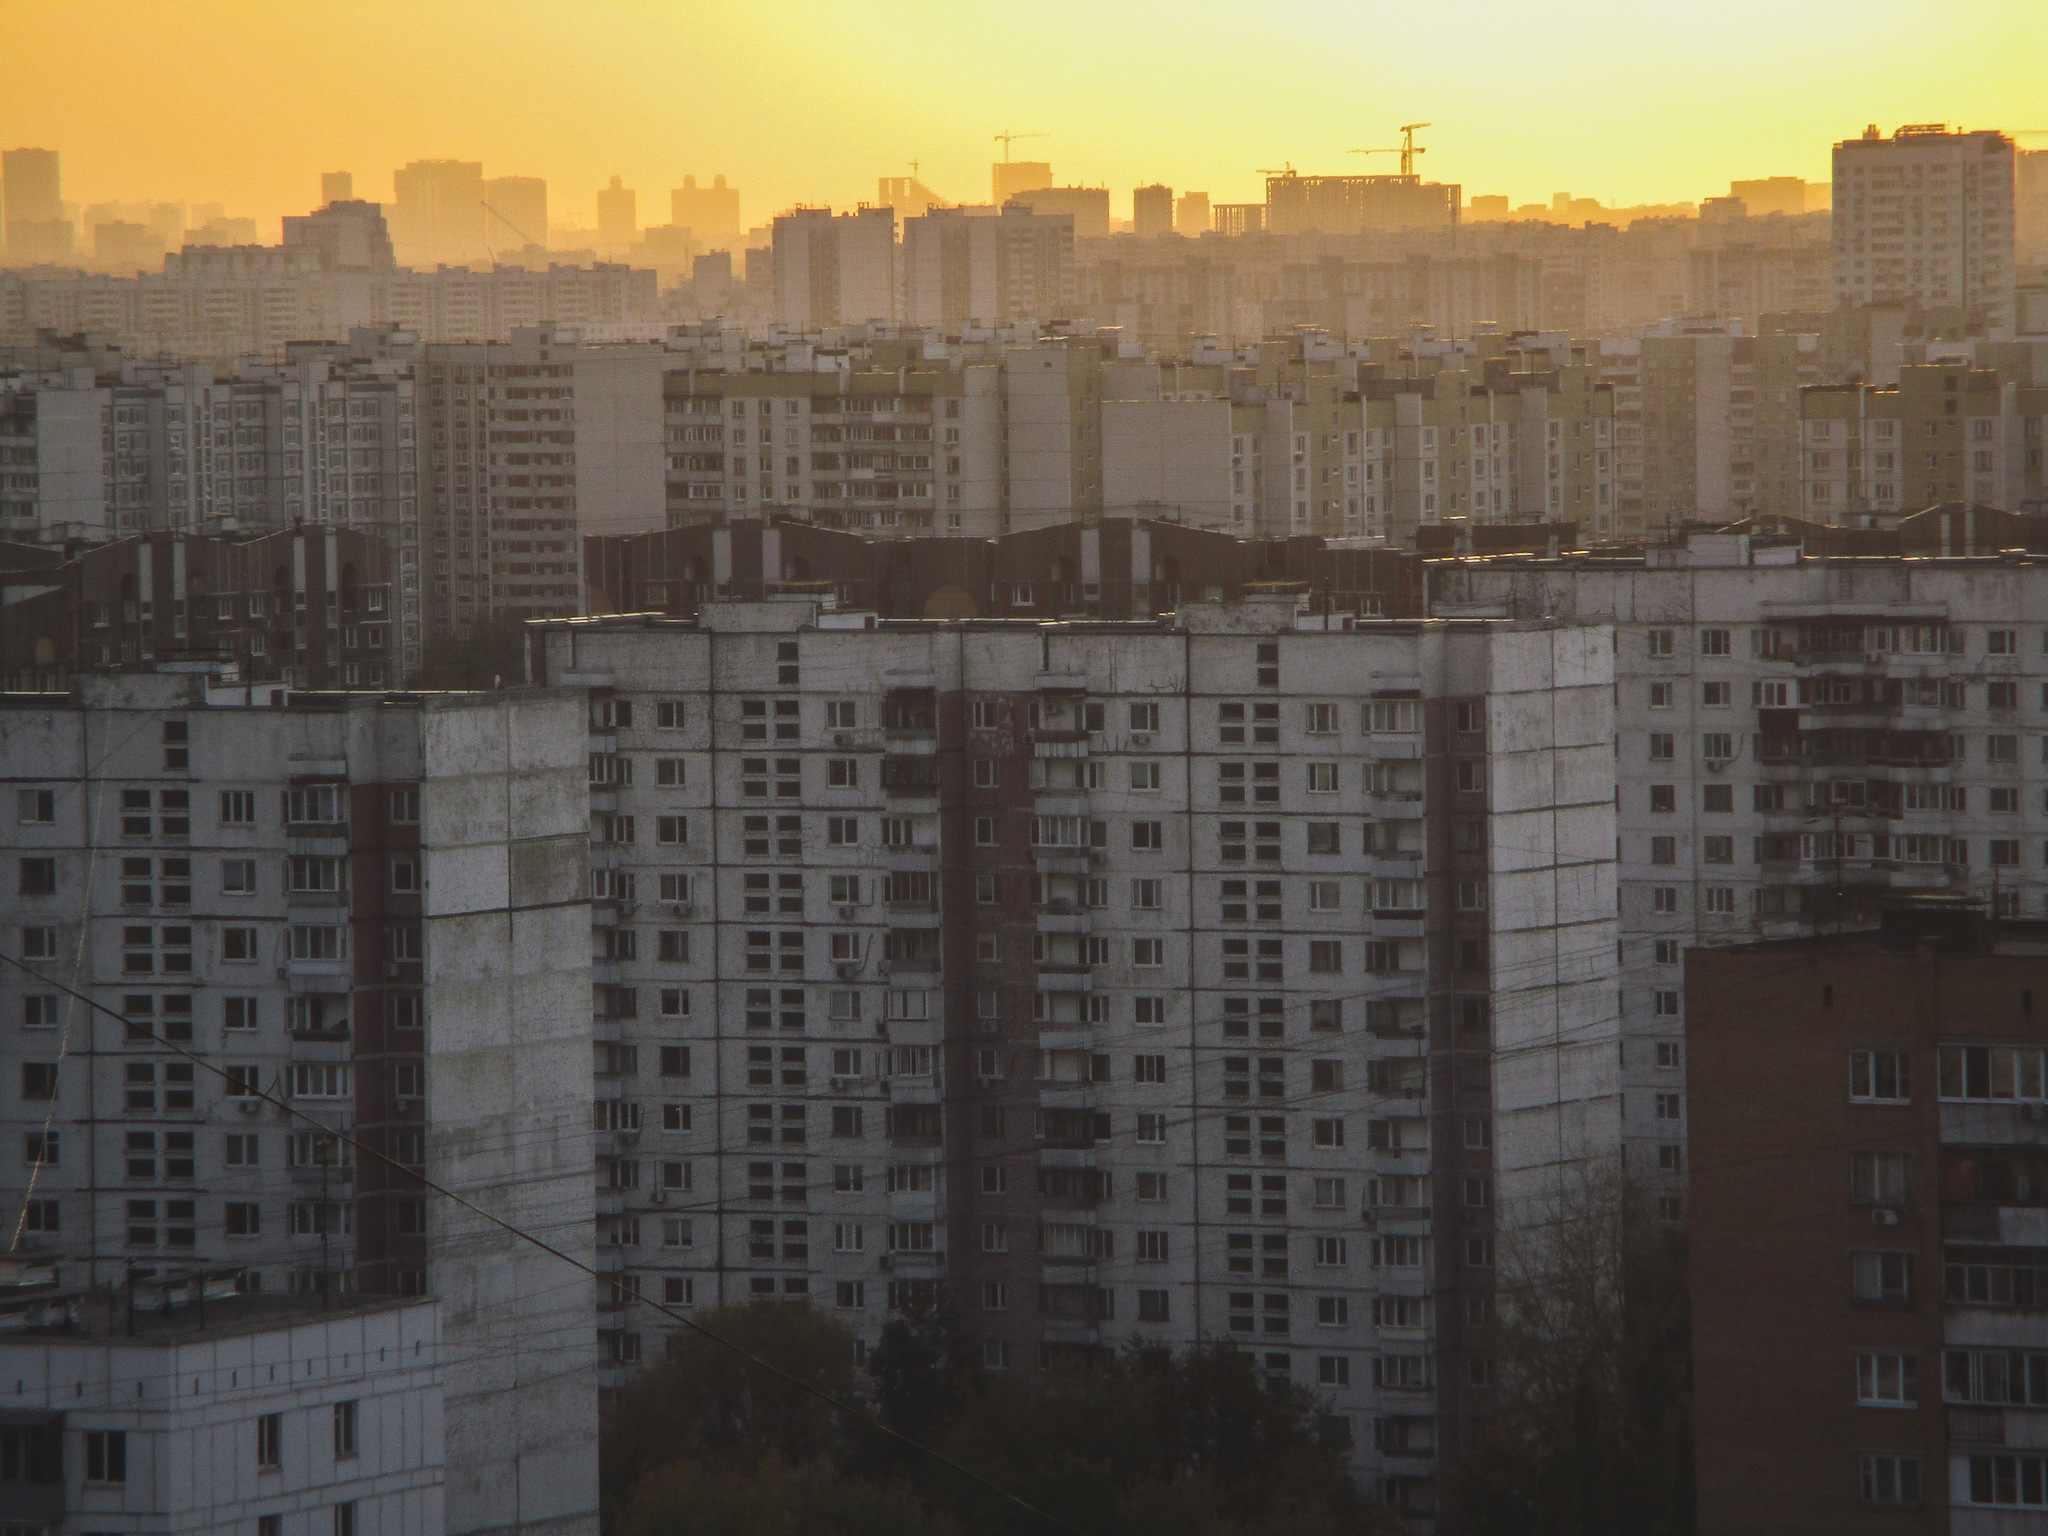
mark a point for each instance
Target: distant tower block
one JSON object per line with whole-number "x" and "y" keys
{"x": 1152, "y": 211}
{"x": 337, "y": 187}
{"x": 1191, "y": 214}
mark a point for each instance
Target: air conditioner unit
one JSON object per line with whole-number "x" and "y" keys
{"x": 1884, "y": 1218}
{"x": 885, "y": 1263}
{"x": 842, "y": 738}
{"x": 390, "y": 968}
{"x": 249, "y": 1106}
{"x": 682, "y": 909}
{"x": 846, "y": 970}
{"x": 657, "y": 1195}
{"x": 848, "y": 914}
{"x": 2034, "y": 1111}
{"x": 839, "y": 1084}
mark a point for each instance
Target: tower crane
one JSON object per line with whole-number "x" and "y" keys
{"x": 1408, "y": 149}
{"x": 1286, "y": 168}
{"x": 1006, "y": 136}
{"x": 1393, "y": 151}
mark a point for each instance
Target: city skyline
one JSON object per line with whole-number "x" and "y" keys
{"x": 1734, "y": 99}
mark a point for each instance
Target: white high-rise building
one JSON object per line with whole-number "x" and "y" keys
{"x": 1238, "y": 975}
{"x": 1925, "y": 219}
{"x": 371, "y": 912}
{"x": 1795, "y": 738}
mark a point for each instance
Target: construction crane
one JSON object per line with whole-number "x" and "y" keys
{"x": 1005, "y": 136}
{"x": 1394, "y": 151}
{"x": 522, "y": 234}
{"x": 1286, "y": 169}
{"x": 1408, "y": 149}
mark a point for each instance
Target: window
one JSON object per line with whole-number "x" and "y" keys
{"x": 35, "y": 805}
{"x": 270, "y": 1441}
{"x": 1144, "y": 717}
{"x": 1878, "y": 1178}
{"x": 37, "y": 877}
{"x": 1322, "y": 778}
{"x": 1144, "y": 777}
{"x": 1887, "y": 1380}
{"x": 345, "y": 1428}
{"x": 1148, "y": 835}
{"x": 1713, "y": 642}
{"x": 1993, "y": 1072}
{"x": 1884, "y": 1279}
{"x": 1659, "y": 642}
{"x": 106, "y": 1456}
{"x": 1879, "y": 1077}
{"x": 1887, "y": 1479}
{"x": 238, "y": 807}
{"x": 1148, "y": 953}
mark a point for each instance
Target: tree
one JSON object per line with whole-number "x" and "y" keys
{"x": 1593, "y": 1435}
{"x": 686, "y": 1498}
{"x": 1146, "y": 1442}
{"x": 925, "y": 1368}
{"x": 711, "y": 1406}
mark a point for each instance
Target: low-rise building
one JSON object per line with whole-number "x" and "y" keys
{"x": 174, "y": 1403}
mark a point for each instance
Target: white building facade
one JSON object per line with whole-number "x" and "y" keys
{"x": 1180, "y": 980}
{"x": 1794, "y": 738}
{"x": 369, "y": 908}
{"x": 236, "y": 1414}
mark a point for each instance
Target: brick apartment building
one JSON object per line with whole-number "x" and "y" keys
{"x": 1869, "y": 1236}
{"x": 306, "y": 607}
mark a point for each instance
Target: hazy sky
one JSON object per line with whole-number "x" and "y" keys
{"x": 247, "y": 101}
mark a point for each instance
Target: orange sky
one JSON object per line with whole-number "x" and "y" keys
{"x": 246, "y": 103}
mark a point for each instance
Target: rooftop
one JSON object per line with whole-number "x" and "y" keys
{"x": 171, "y": 1308}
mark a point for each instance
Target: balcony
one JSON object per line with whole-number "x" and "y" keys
{"x": 910, "y": 778}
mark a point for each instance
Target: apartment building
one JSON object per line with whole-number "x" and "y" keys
{"x": 1925, "y": 218}
{"x": 1086, "y": 208}
{"x": 894, "y": 441}
{"x": 987, "y": 266}
{"x": 439, "y": 213}
{"x": 1796, "y": 737}
{"x": 1297, "y": 436}
{"x": 1868, "y": 1228}
{"x": 1720, "y": 416}
{"x": 1152, "y": 211}
{"x": 142, "y": 447}
{"x": 280, "y": 1410}
{"x": 228, "y": 303}
{"x": 1237, "y": 974}
{"x": 304, "y": 609}
{"x": 1946, "y": 431}
{"x": 1342, "y": 205}
{"x": 1116, "y": 568}
{"x": 370, "y": 908}
{"x": 835, "y": 269}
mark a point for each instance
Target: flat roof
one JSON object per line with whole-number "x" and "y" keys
{"x": 100, "y": 1317}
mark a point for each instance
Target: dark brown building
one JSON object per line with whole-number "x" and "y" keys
{"x": 1869, "y": 1146}
{"x": 308, "y": 607}
{"x": 1117, "y": 568}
